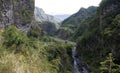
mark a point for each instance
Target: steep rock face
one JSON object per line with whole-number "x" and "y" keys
{"x": 16, "y": 12}
{"x": 40, "y": 15}
{"x": 47, "y": 22}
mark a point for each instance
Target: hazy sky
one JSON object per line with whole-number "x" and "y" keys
{"x": 55, "y": 7}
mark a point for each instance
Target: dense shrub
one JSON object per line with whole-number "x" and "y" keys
{"x": 19, "y": 53}
{"x": 12, "y": 36}
{"x": 36, "y": 32}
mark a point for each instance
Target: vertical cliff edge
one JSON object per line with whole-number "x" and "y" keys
{"x": 16, "y": 12}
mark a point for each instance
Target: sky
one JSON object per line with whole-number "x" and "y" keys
{"x": 58, "y": 7}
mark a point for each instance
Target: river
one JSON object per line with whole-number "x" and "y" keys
{"x": 79, "y": 67}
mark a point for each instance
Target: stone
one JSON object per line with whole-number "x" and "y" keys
{"x": 16, "y": 12}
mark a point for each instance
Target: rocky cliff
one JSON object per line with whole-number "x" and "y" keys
{"x": 47, "y": 22}
{"x": 40, "y": 15}
{"x": 16, "y": 12}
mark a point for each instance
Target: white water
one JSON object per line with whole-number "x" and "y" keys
{"x": 77, "y": 62}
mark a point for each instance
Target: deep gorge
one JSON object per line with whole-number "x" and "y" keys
{"x": 35, "y": 42}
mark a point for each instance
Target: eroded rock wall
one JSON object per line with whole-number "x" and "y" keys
{"x": 16, "y": 12}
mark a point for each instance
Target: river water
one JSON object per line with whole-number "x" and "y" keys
{"x": 79, "y": 67}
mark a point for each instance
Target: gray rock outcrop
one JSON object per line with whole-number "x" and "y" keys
{"x": 16, "y": 12}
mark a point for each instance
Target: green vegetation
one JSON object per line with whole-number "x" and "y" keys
{"x": 98, "y": 35}
{"x": 49, "y": 27}
{"x": 32, "y": 3}
{"x": 26, "y": 15}
{"x": 23, "y": 12}
{"x": 76, "y": 20}
{"x": 20, "y": 53}
{"x": 108, "y": 66}
{"x": 64, "y": 32}
{"x": 78, "y": 17}
{"x": 35, "y": 32}
{"x": 13, "y": 36}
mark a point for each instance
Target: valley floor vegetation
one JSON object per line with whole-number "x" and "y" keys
{"x": 22, "y": 54}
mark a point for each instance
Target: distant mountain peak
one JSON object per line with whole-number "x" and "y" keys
{"x": 40, "y": 10}
{"x": 80, "y": 15}
{"x": 82, "y": 9}
{"x": 40, "y": 15}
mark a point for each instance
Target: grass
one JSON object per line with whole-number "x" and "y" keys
{"x": 11, "y": 63}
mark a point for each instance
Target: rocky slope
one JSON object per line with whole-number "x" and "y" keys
{"x": 40, "y": 15}
{"x": 48, "y": 23}
{"x": 16, "y": 12}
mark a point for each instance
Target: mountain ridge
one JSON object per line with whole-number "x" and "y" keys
{"x": 40, "y": 15}
{"x": 80, "y": 15}
{"x": 69, "y": 25}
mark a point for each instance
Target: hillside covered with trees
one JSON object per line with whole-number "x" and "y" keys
{"x": 41, "y": 45}
{"x": 98, "y": 36}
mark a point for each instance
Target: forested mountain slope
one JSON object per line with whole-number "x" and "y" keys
{"x": 99, "y": 35}
{"x": 69, "y": 25}
{"x": 78, "y": 17}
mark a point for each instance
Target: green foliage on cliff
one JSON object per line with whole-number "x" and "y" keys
{"x": 13, "y": 38}
{"x": 26, "y": 15}
{"x": 36, "y": 32}
{"x": 99, "y": 35}
{"x": 49, "y": 27}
